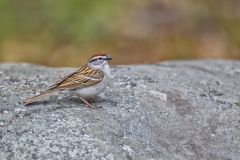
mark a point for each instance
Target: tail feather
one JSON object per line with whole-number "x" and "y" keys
{"x": 37, "y": 97}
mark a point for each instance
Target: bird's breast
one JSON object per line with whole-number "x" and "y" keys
{"x": 93, "y": 90}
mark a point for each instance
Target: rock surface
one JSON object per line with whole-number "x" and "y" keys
{"x": 170, "y": 110}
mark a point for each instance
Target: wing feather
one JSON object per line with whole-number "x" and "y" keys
{"x": 84, "y": 77}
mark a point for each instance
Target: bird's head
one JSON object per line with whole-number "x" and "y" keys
{"x": 99, "y": 61}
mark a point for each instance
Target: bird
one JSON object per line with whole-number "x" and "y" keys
{"x": 87, "y": 82}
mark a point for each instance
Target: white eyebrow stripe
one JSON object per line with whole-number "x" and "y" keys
{"x": 95, "y": 58}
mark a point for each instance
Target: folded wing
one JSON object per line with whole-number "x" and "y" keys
{"x": 84, "y": 77}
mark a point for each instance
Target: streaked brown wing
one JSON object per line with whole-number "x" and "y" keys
{"x": 82, "y": 78}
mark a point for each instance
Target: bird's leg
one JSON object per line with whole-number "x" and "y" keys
{"x": 86, "y": 102}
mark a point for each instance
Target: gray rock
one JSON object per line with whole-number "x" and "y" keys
{"x": 170, "y": 110}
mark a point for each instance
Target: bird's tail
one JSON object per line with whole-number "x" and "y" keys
{"x": 37, "y": 97}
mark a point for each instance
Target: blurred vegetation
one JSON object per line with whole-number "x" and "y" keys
{"x": 67, "y": 32}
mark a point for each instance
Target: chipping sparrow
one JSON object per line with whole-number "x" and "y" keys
{"x": 89, "y": 81}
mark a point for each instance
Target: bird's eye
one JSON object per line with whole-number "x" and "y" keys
{"x": 100, "y": 58}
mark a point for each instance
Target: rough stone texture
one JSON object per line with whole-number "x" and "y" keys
{"x": 171, "y": 110}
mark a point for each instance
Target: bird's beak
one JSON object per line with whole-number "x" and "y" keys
{"x": 109, "y": 58}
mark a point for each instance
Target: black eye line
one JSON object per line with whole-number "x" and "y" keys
{"x": 93, "y": 60}
{"x": 100, "y": 58}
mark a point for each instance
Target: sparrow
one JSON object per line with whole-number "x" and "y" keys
{"x": 87, "y": 82}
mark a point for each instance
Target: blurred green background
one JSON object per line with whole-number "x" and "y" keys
{"x": 68, "y": 32}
